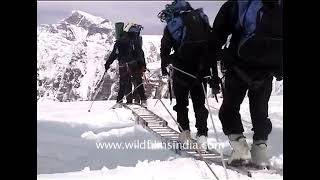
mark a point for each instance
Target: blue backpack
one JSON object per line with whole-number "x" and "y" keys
{"x": 261, "y": 38}
{"x": 186, "y": 25}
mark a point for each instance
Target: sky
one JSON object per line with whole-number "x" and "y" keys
{"x": 140, "y": 12}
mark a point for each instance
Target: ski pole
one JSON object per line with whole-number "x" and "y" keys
{"x": 98, "y": 90}
{"x": 207, "y": 101}
{"x": 206, "y": 162}
{"x": 215, "y": 131}
{"x": 170, "y": 85}
{"x": 171, "y": 116}
{"x": 171, "y": 66}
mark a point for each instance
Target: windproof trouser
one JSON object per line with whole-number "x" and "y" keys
{"x": 234, "y": 93}
{"x": 125, "y": 85}
{"x": 182, "y": 87}
{"x": 140, "y": 91}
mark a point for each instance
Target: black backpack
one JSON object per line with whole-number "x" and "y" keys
{"x": 265, "y": 47}
{"x": 195, "y": 31}
{"x": 136, "y": 60}
{"x": 190, "y": 30}
{"x": 192, "y": 44}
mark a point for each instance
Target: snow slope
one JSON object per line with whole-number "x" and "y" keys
{"x": 68, "y": 135}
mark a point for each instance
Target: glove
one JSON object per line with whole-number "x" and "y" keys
{"x": 278, "y": 75}
{"x": 144, "y": 68}
{"x": 164, "y": 68}
{"x": 226, "y": 57}
{"x": 165, "y": 62}
{"x": 164, "y": 71}
{"x": 214, "y": 83}
{"x": 215, "y": 89}
{"x": 106, "y": 67}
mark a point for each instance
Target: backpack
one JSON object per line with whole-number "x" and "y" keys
{"x": 190, "y": 27}
{"x": 190, "y": 31}
{"x": 119, "y": 29}
{"x": 135, "y": 56}
{"x": 260, "y": 25}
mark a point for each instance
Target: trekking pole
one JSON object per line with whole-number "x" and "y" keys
{"x": 200, "y": 155}
{"x": 206, "y": 162}
{"x": 100, "y": 86}
{"x": 215, "y": 131}
{"x": 207, "y": 101}
{"x": 158, "y": 91}
{"x": 171, "y": 66}
{"x": 171, "y": 115}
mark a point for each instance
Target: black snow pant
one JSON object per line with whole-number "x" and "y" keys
{"x": 182, "y": 86}
{"x": 139, "y": 93}
{"x": 126, "y": 81}
{"x": 125, "y": 85}
{"x": 235, "y": 91}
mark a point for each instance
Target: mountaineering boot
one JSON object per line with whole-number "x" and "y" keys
{"x": 117, "y": 105}
{"x": 259, "y": 153}
{"x": 240, "y": 149}
{"x": 185, "y": 138}
{"x": 129, "y": 101}
{"x": 144, "y": 103}
{"x": 202, "y": 142}
{"x": 137, "y": 100}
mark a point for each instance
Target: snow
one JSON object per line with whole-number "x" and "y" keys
{"x": 68, "y": 133}
{"x": 94, "y": 19}
{"x": 79, "y": 33}
{"x": 154, "y": 65}
{"x": 114, "y": 132}
{"x": 99, "y": 117}
{"x": 277, "y": 162}
{"x": 151, "y": 47}
{"x": 183, "y": 168}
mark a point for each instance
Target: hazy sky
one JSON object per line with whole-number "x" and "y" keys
{"x": 141, "y": 12}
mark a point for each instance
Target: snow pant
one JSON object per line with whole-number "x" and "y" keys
{"x": 235, "y": 91}
{"x": 125, "y": 85}
{"x": 182, "y": 86}
{"x": 126, "y": 81}
{"x": 139, "y": 93}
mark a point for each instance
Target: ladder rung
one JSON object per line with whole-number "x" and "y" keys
{"x": 160, "y": 127}
{"x": 168, "y": 132}
{"x": 165, "y": 129}
{"x": 169, "y": 135}
{"x": 153, "y": 126}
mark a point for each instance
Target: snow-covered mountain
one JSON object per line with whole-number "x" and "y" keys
{"x": 70, "y": 59}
